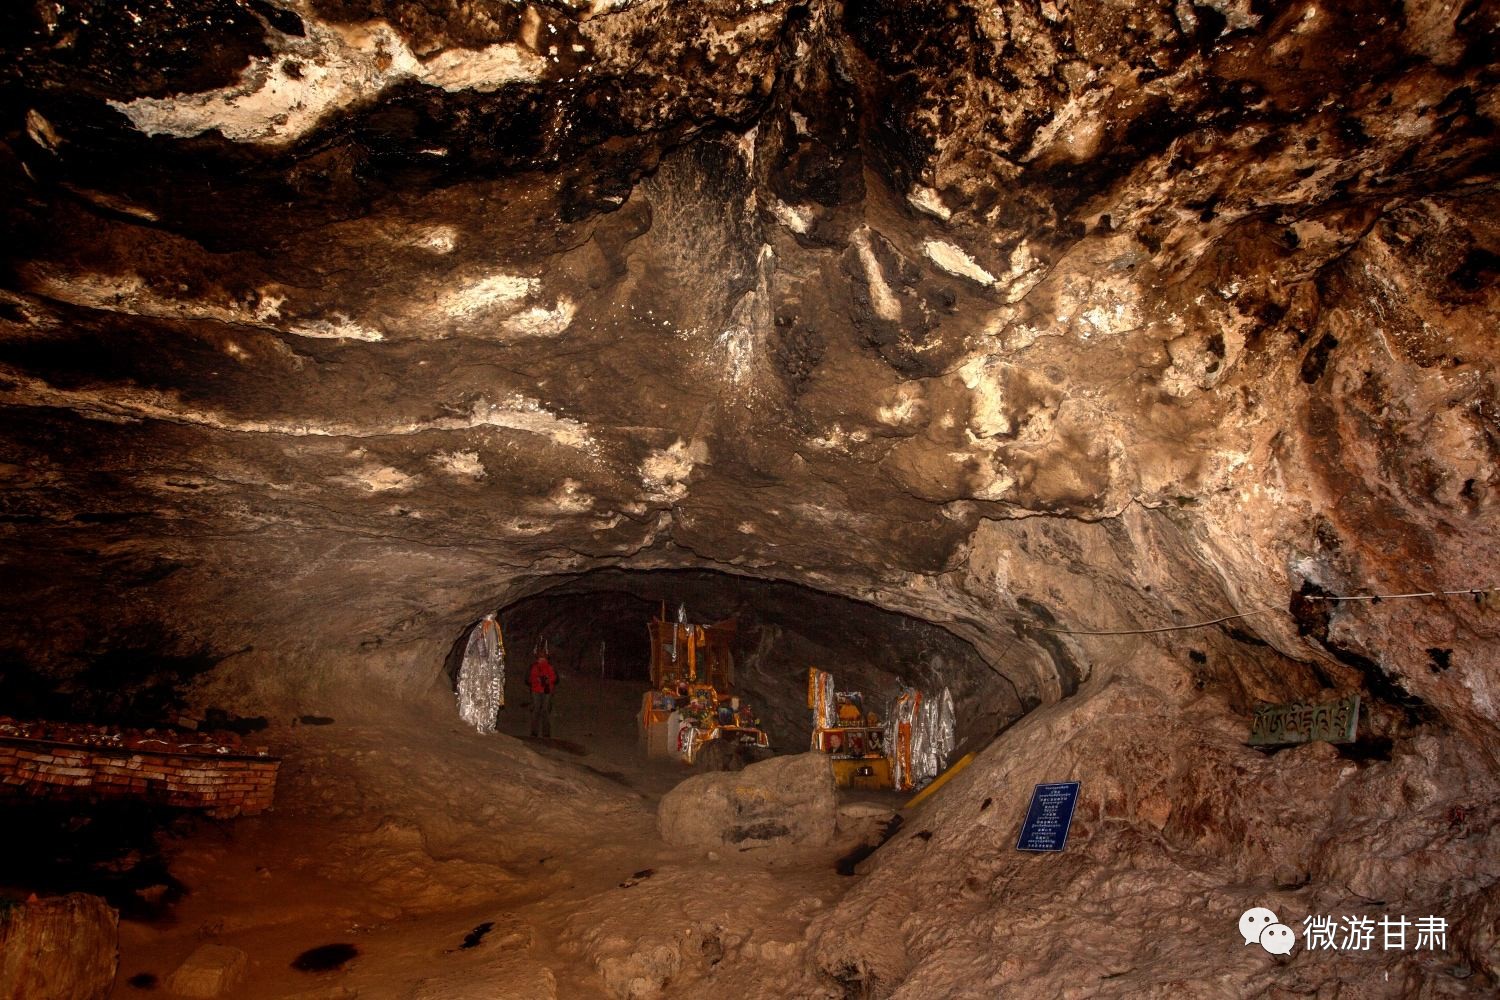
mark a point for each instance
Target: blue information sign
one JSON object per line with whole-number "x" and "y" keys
{"x": 1050, "y": 816}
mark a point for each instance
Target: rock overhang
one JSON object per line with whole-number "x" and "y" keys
{"x": 1041, "y": 316}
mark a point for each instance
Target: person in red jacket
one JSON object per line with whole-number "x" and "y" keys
{"x": 542, "y": 679}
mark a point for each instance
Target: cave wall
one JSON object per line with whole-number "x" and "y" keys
{"x": 318, "y": 341}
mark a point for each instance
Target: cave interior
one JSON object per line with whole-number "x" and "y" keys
{"x": 1124, "y": 370}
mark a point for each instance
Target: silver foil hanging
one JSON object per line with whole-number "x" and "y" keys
{"x": 932, "y": 738}
{"x": 825, "y": 715}
{"x": 946, "y": 738}
{"x": 481, "y": 676}
{"x": 681, "y": 622}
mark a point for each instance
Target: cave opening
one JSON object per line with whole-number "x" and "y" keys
{"x": 593, "y": 627}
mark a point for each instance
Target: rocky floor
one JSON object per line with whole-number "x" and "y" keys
{"x": 422, "y": 860}
{"x": 406, "y": 836}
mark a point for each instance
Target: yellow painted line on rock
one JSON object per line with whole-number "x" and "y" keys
{"x": 937, "y": 783}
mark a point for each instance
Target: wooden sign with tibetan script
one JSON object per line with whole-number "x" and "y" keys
{"x": 1304, "y": 722}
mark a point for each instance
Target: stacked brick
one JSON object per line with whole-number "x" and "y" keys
{"x": 224, "y": 784}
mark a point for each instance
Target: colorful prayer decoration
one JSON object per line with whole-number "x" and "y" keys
{"x": 847, "y": 733}
{"x": 691, "y": 703}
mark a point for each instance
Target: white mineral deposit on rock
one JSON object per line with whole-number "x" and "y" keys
{"x": 956, "y": 262}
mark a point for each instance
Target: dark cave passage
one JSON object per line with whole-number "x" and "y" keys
{"x": 594, "y": 627}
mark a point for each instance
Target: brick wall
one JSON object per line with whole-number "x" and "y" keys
{"x": 223, "y": 784}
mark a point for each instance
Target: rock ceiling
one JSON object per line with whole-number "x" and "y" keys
{"x": 328, "y": 324}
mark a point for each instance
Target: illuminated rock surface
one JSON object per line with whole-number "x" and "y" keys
{"x": 771, "y": 804}
{"x": 59, "y": 947}
{"x": 327, "y": 327}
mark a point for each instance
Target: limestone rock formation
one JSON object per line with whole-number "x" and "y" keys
{"x": 783, "y": 802}
{"x": 212, "y": 970}
{"x": 1055, "y": 314}
{"x": 63, "y": 948}
{"x": 1479, "y": 934}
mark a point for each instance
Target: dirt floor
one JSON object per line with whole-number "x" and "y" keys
{"x": 458, "y": 865}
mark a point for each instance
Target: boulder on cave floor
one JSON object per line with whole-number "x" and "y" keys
{"x": 65, "y": 948}
{"x": 212, "y": 970}
{"x": 784, "y": 801}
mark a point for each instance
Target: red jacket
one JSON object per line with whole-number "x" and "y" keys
{"x": 542, "y": 678}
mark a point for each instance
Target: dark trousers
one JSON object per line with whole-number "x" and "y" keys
{"x": 541, "y": 714}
